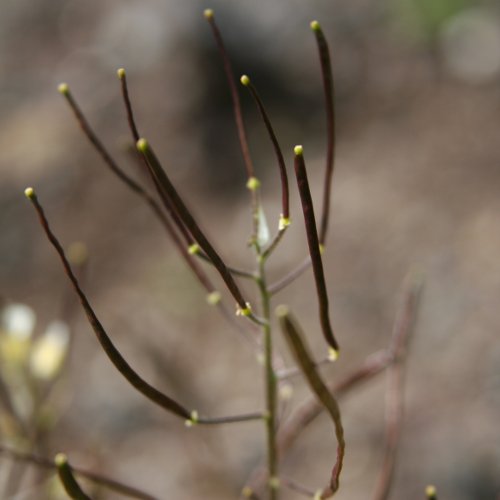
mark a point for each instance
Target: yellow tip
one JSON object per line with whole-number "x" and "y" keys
{"x": 245, "y": 80}
{"x": 333, "y": 354}
{"x": 283, "y": 223}
{"x": 247, "y": 311}
{"x": 213, "y": 298}
{"x": 194, "y": 249}
{"x": 317, "y": 495}
{"x": 29, "y": 192}
{"x": 315, "y": 26}
{"x": 208, "y": 13}
{"x": 246, "y": 492}
{"x": 253, "y": 184}
{"x": 282, "y": 311}
{"x": 274, "y": 483}
{"x": 121, "y": 73}
{"x": 63, "y": 88}
{"x": 430, "y": 491}
{"x": 298, "y": 150}
{"x": 142, "y": 145}
{"x": 60, "y": 459}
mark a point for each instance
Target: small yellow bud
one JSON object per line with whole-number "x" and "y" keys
{"x": 246, "y": 492}
{"x": 260, "y": 358}
{"x": 60, "y": 459}
{"x": 194, "y": 249}
{"x": 431, "y": 491}
{"x": 49, "y": 351}
{"x": 247, "y": 311}
{"x": 333, "y": 354}
{"x": 315, "y": 26}
{"x": 121, "y": 73}
{"x": 322, "y": 248}
{"x": 283, "y": 223}
{"x": 253, "y": 184}
{"x": 63, "y": 88}
{"x": 286, "y": 392}
{"x": 298, "y": 150}
{"x": 142, "y": 145}
{"x": 193, "y": 420}
{"x": 213, "y": 298}
{"x": 274, "y": 483}
{"x": 318, "y": 494}
{"x": 29, "y": 193}
{"x": 282, "y": 311}
{"x": 208, "y": 13}
{"x": 245, "y": 80}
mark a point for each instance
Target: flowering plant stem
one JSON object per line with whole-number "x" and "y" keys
{"x": 270, "y": 380}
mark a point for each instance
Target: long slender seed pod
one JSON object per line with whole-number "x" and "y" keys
{"x": 48, "y": 464}
{"x": 290, "y": 277}
{"x": 242, "y": 136}
{"x": 285, "y": 204}
{"x": 294, "y": 337}
{"x": 328, "y": 87}
{"x": 252, "y": 181}
{"x": 128, "y": 105}
{"x": 112, "y": 352}
{"x": 65, "y": 473}
{"x": 160, "y": 175}
{"x": 314, "y": 248}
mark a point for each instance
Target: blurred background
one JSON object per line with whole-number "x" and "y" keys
{"x": 417, "y": 182}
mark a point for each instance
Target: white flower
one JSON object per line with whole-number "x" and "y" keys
{"x": 49, "y": 351}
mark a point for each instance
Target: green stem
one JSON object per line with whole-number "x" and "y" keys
{"x": 270, "y": 381}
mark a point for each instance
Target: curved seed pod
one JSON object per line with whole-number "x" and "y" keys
{"x": 328, "y": 87}
{"x": 314, "y": 249}
{"x": 112, "y": 352}
{"x": 285, "y": 204}
{"x": 292, "y": 333}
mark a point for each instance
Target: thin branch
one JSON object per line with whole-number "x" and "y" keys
{"x": 293, "y": 371}
{"x": 294, "y": 337}
{"x": 247, "y": 417}
{"x": 395, "y": 385}
{"x": 314, "y": 249}
{"x": 48, "y": 464}
{"x": 328, "y": 87}
{"x": 290, "y": 277}
{"x": 293, "y": 485}
{"x": 242, "y": 273}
